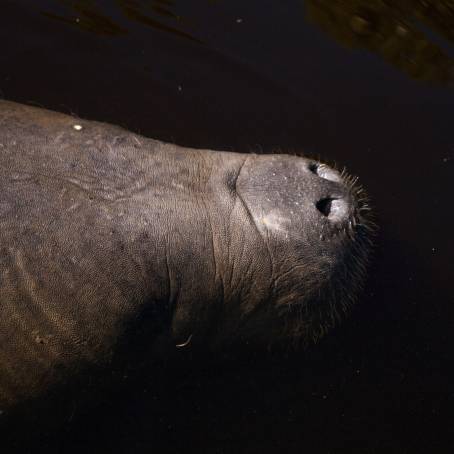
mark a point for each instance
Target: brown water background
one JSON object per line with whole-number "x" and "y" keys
{"x": 365, "y": 84}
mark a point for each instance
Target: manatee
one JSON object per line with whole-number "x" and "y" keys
{"x": 107, "y": 236}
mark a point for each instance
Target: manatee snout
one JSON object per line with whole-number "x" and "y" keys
{"x": 300, "y": 196}
{"x": 317, "y": 228}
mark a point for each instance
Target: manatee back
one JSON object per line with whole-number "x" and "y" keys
{"x": 74, "y": 246}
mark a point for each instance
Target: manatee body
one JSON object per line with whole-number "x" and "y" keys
{"x": 105, "y": 233}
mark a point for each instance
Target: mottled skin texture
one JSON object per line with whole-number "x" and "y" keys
{"x": 103, "y": 230}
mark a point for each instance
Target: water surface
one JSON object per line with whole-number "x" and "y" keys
{"x": 365, "y": 84}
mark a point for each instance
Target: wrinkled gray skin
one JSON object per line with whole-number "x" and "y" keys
{"x": 100, "y": 226}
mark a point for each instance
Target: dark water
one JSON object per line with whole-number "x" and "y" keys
{"x": 364, "y": 84}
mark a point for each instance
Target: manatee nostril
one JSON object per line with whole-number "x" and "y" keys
{"x": 324, "y": 206}
{"x": 335, "y": 209}
{"x": 313, "y": 167}
{"x": 323, "y": 171}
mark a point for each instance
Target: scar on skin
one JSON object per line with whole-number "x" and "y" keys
{"x": 184, "y": 344}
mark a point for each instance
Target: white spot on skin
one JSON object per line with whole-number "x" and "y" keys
{"x": 73, "y": 207}
{"x": 77, "y": 127}
{"x": 59, "y": 137}
{"x": 274, "y": 221}
{"x": 175, "y": 184}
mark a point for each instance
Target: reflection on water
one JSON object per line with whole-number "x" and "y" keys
{"x": 86, "y": 15}
{"x": 412, "y": 35}
{"x": 90, "y": 16}
{"x": 415, "y": 36}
